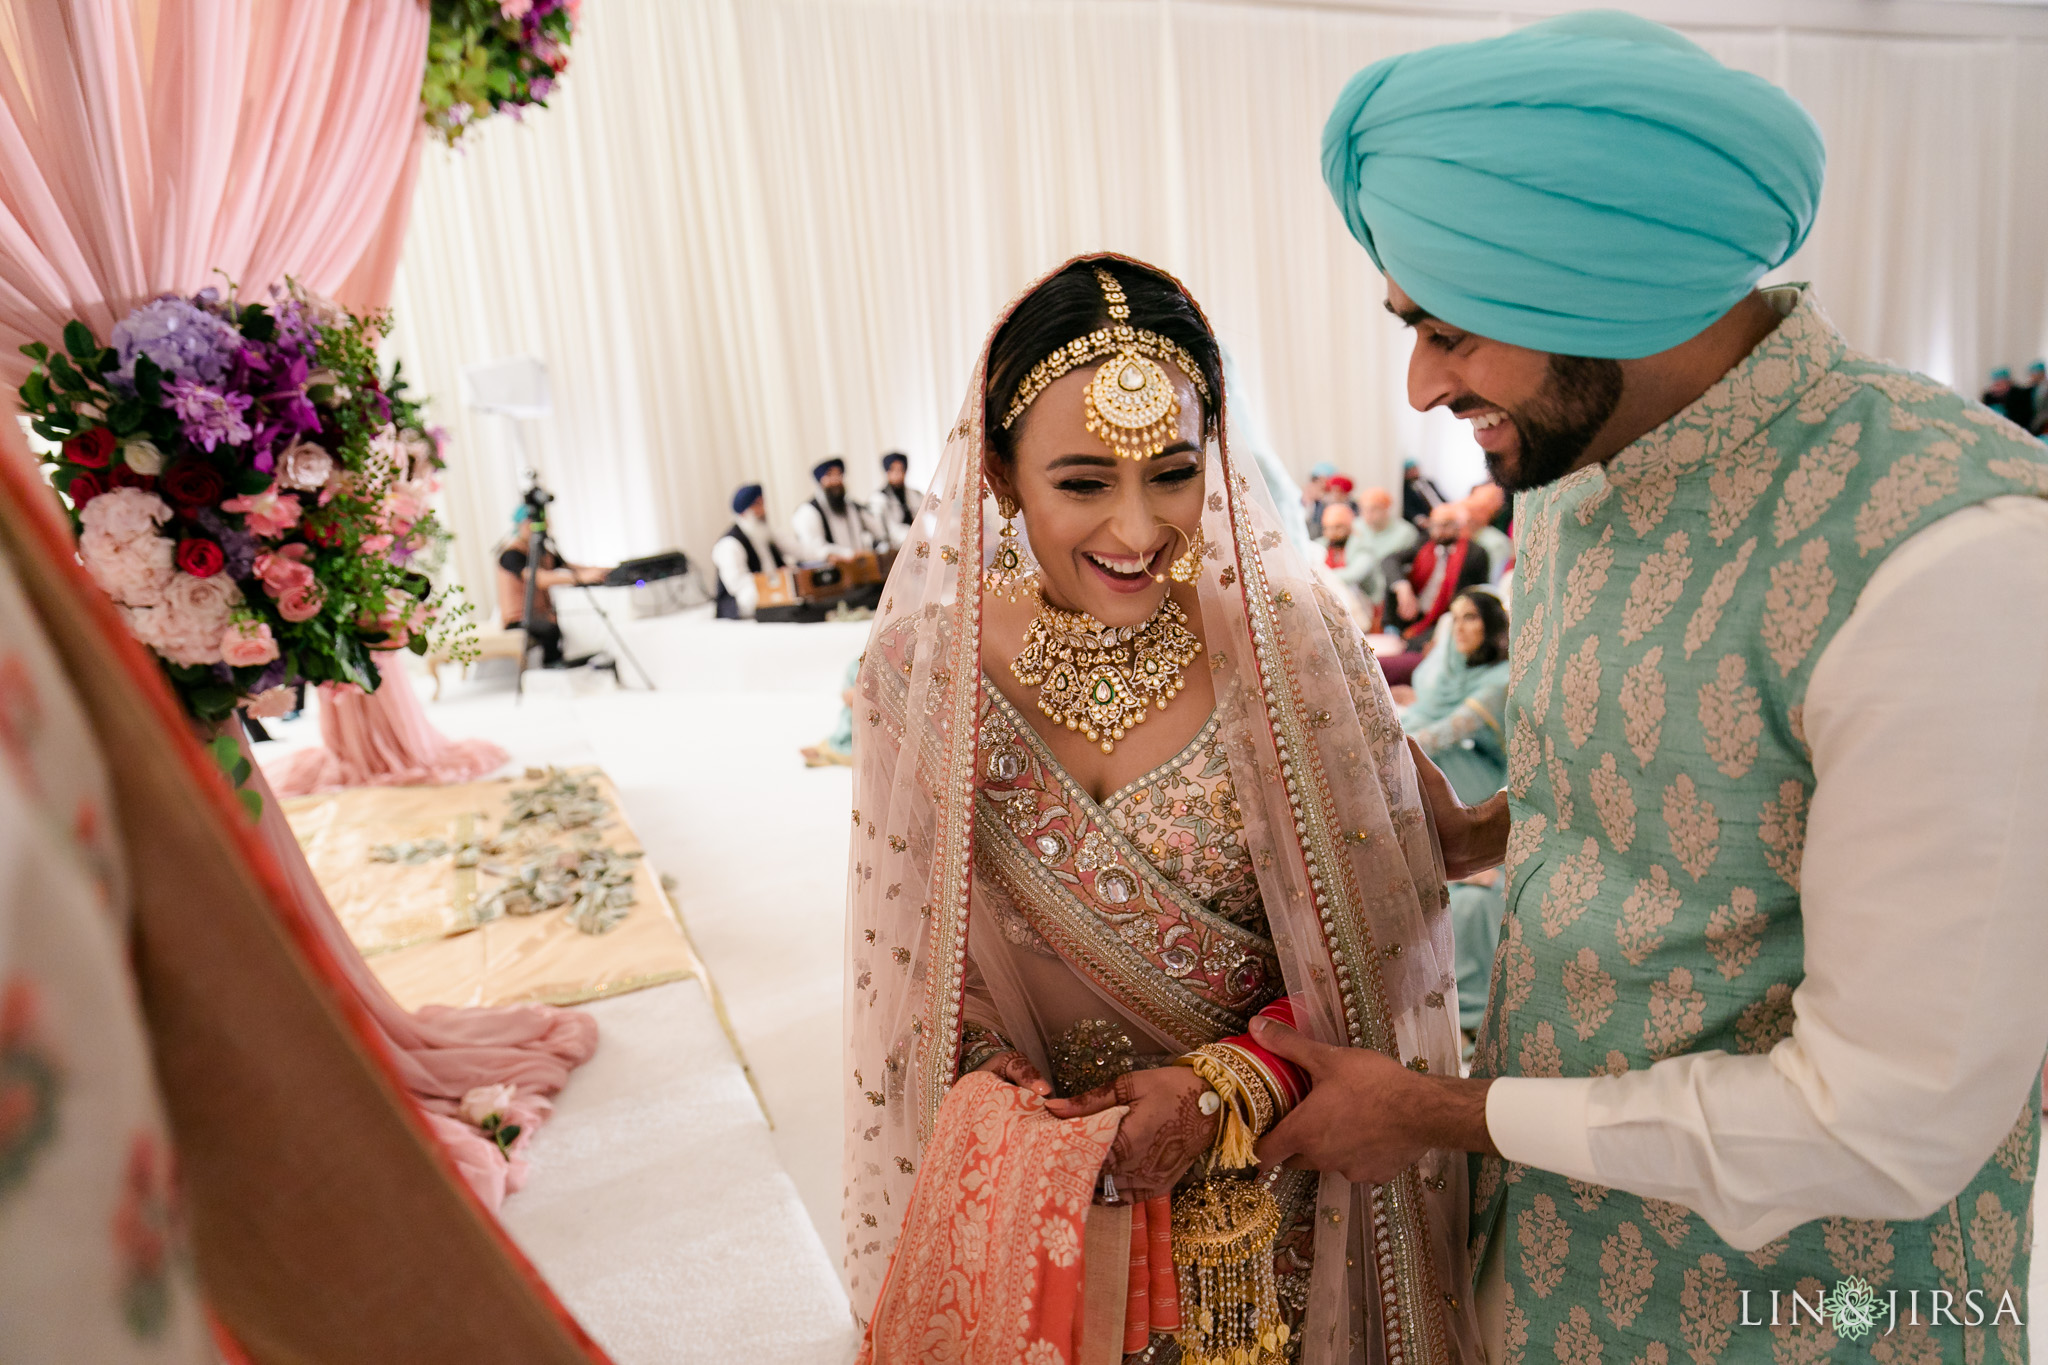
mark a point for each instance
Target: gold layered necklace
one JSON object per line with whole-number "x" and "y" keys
{"x": 1103, "y": 680}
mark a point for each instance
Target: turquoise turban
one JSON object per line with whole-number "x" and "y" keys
{"x": 1590, "y": 185}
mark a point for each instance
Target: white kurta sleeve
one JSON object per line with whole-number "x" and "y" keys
{"x": 729, "y": 557}
{"x": 808, "y": 525}
{"x": 889, "y": 518}
{"x": 1921, "y": 1022}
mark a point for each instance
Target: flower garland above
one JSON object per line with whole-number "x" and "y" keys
{"x": 249, "y": 492}
{"x": 488, "y": 55}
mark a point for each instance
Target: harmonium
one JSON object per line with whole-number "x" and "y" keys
{"x": 810, "y": 592}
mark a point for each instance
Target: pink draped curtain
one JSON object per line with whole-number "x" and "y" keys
{"x": 148, "y": 145}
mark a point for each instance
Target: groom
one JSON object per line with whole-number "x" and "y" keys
{"x": 1767, "y": 1010}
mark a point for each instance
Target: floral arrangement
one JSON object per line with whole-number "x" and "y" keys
{"x": 487, "y": 55}
{"x": 249, "y": 492}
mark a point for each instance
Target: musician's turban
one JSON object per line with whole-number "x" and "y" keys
{"x": 1591, "y": 185}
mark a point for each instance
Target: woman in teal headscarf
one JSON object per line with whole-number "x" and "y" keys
{"x": 1460, "y": 696}
{"x": 1461, "y": 691}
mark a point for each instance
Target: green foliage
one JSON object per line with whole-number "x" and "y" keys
{"x": 479, "y": 61}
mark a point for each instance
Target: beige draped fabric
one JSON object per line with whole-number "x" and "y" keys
{"x": 748, "y": 234}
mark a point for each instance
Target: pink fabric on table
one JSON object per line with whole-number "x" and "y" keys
{"x": 145, "y": 147}
{"x": 442, "y": 1053}
{"x": 381, "y": 739}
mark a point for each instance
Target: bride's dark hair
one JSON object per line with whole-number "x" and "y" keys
{"x": 1070, "y": 305}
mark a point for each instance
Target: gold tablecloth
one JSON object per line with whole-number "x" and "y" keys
{"x": 414, "y": 923}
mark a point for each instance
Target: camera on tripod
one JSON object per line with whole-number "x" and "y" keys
{"x": 536, "y": 499}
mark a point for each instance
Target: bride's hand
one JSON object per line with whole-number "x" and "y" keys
{"x": 1163, "y": 1134}
{"x": 1014, "y": 1067}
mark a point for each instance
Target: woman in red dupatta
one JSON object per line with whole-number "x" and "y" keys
{"x": 1043, "y": 917}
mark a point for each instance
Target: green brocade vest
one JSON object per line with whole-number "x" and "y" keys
{"x": 1669, "y": 608}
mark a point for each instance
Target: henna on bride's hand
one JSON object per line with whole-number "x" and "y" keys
{"x": 1161, "y": 1136}
{"x": 1013, "y": 1066}
{"x": 1182, "y": 1138}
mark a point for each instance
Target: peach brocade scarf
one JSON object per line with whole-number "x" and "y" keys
{"x": 989, "y": 1268}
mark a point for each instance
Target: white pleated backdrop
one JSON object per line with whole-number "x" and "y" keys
{"x": 751, "y": 233}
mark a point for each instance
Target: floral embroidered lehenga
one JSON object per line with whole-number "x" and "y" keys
{"x": 1282, "y": 856}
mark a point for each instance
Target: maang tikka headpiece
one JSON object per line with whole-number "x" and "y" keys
{"x": 1130, "y": 404}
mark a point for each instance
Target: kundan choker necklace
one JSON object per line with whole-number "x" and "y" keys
{"x": 1103, "y": 680}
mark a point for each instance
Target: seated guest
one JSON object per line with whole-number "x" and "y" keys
{"x": 748, "y": 547}
{"x": 895, "y": 506}
{"x": 1419, "y": 496}
{"x": 836, "y": 749}
{"x": 1346, "y": 551}
{"x": 832, "y": 527}
{"x": 1340, "y": 493}
{"x": 554, "y": 572}
{"x": 1383, "y": 533}
{"x": 1456, "y": 718}
{"x": 1422, "y": 581}
{"x": 1460, "y": 694}
{"x": 1315, "y": 496}
{"x": 1486, "y": 511}
{"x": 2037, "y": 400}
{"x": 2011, "y": 401}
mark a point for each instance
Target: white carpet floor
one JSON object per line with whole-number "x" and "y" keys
{"x": 708, "y": 769}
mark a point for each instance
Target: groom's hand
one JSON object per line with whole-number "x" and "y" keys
{"x": 1367, "y": 1117}
{"x": 1473, "y": 838}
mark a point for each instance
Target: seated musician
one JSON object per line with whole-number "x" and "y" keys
{"x": 748, "y": 547}
{"x": 832, "y": 527}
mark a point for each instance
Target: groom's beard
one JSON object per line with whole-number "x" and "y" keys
{"x": 1578, "y": 396}
{"x": 835, "y": 498}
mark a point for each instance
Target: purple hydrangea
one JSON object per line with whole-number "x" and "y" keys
{"x": 211, "y": 417}
{"x": 184, "y": 342}
{"x": 297, "y": 326}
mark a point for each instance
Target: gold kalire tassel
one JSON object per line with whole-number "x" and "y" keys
{"x": 1223, "y": 1235}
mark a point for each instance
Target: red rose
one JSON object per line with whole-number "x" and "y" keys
{"x": 91, "y": 449}
{"x": 327, "y": 535}
{"x": 199, "y": 557}
{"x": 83, "y": 488}
{"x": 121, "y": 476}
{"x": 193, "y": 483}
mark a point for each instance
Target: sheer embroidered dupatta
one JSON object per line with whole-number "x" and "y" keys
{"x": 1333, "y": 820}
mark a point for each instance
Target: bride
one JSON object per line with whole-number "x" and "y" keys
{"x": 1125, "y": 778}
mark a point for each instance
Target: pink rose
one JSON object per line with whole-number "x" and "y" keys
{"x": 376, "y": 545}
{"x": 269, "y": 513}
{"x": 193, "y": 617}
{"x": 272, "y": 703}
{"x": 486, "y": 1101}
{"x": 284, "y": 569}
{"x": 134, "y": 573}
{"x": 246, "y": 644}
{"x": 514, "y": 9}
{"x": 125, "y": 513}
{"x": 305, "y": 466}
{"x": 405, "y": 504}
{"x": 302, "y": 602}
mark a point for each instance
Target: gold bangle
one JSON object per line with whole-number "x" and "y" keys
{"x": 1247, "y": 1106}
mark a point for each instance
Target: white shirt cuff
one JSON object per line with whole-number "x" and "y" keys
{"x": 1541, "y": 1122}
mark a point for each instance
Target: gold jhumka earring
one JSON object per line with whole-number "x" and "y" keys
{"x": 1009, "y": 574}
